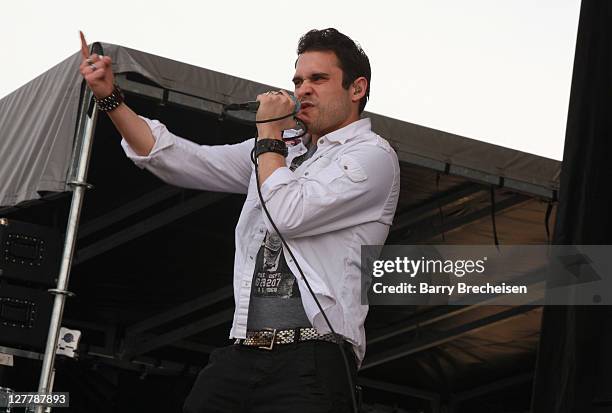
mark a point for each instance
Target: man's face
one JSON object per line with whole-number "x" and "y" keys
{"x": 326, "y": 105}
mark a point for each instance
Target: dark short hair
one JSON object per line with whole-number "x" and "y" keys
{"x": 352, "y": 59}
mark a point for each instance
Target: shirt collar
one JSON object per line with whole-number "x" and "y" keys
{"x": 341, "y": 135}
{"x": 352, "y": 129}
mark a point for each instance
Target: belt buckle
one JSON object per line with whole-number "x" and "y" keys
{"x": 271, "y": 346}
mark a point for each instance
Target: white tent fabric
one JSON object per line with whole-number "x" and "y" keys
{"x": 37, "y": 124}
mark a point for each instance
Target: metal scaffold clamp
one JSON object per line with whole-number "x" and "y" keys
{"x": 81, "y": 184}
{"x": 57, "y": 291}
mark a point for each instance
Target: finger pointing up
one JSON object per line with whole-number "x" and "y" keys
{"x": 84, "y": 48}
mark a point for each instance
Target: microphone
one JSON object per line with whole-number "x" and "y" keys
{"x": 253, "y": 106}
{"x": 248, "y": 106}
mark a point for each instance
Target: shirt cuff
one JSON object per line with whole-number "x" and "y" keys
{"x": 280, "y": 176}
{"x": 163, "y": 139}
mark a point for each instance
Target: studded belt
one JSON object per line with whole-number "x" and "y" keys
{"x": 267, "y": 338}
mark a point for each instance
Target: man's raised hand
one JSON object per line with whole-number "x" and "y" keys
{"x": 97, "y": 71}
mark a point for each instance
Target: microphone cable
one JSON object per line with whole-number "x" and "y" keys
{"x": 254, "y": 159}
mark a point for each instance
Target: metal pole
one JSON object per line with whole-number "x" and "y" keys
{"x": 86, "y": 128}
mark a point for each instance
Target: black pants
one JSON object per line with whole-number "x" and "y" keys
{"x": 307, "y": 377}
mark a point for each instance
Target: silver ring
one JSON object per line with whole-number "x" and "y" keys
{"x": 93, "y": 66}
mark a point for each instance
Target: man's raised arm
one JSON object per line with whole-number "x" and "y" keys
{"x": 97, "y": 72}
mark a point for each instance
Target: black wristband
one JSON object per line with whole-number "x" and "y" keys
{"x": 271, "y": 145}
{"x": 110, "y": 102}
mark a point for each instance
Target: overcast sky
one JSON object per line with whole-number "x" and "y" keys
{"x": 492, "y": 70}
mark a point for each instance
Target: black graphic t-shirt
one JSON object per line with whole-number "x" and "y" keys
{"x": 273, "y": 277}
{"x": 275, "y": 296}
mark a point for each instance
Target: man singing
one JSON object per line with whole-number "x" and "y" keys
{"x": 329, "y": 194}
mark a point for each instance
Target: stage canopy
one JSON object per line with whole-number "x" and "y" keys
{"x": 38, "y": 123}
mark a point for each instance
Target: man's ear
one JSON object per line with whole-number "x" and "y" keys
{"x": 359, "y": 88}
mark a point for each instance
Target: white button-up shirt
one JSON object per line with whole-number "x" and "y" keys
{"x": 341, "y": 198}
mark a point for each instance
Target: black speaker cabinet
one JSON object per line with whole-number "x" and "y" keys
{"x": 29, "y": 252}
{"x": 25, "y": 314}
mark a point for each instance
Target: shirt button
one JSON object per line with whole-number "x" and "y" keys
{"x": 306, "y": 173}
{"x": 261, "y": 230}
{"x": 250, "y": 256}
{"x": 321, "y": 141}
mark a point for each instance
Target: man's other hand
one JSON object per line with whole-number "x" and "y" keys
{"x": 273, "y": 105}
